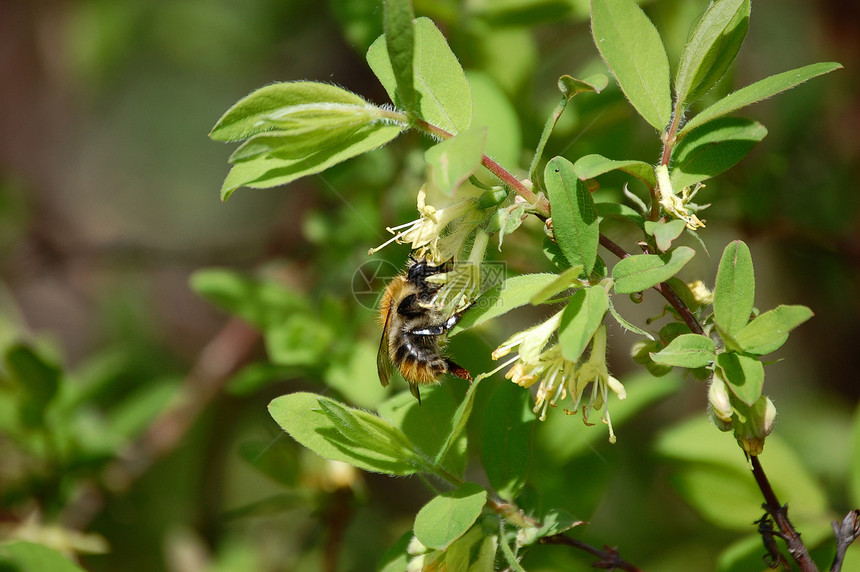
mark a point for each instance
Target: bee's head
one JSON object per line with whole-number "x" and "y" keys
{"x": 419, "y": 269}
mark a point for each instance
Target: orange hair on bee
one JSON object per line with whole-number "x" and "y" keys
{"x": 392, "y": 291}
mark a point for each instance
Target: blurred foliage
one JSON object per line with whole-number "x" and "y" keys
{"x": 109, "y": 209}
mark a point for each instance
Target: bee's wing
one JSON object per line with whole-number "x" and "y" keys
{"x": 384, "y": 365}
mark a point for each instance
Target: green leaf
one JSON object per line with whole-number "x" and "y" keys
{"x": 354, "y": 374}
{"x": 712, "y": 48}
{"x": 574, "y": 219}
{"x": 449, "y": 515}
{"x": 591, "y": 166}
{"x": 495, "y": 112}
{"x": 563, "y": 282}
{"x": 368, "y": 431}
{"x": 714, "y": 148}
{"x": 300, "y": 340}
{"x": 642, "y": 271}
{"x": 512, "y": 293}
{"x": 620, "y": 211}
{"x": 428, "y": 425}
{"x": 252, "y": 114}
{"x": 769, "y": 331}
{"x": 445, "y": 97}
{"x": 744, "y": 374}
{"x": 758, "y": 91}
{"x": 298, "y": 143}
{"x": 556, "y": 522}
{"x": 554, "y": 254}
{"x": 268, "y": 171}
{"x": 665, "y": 232}
{"x": 734, "y": 291}
{"x": 458, "y": 423}
{"x": 400, "y": 43}
{"x": 631, "y": 47}
{"x": 21, "y": 556}
{"x": 687, "y": 350}
{"x": 571, "y": 87}
{"x": 38, "y": 379}
{"x": 452, "y": 161}
{"x": 727, "y": 496}
{"x": 581, "y": 318}
{"x": 507, "y": 439}
{"x": 262, "y": 303}
{"x": 342, "y": 434}
{"x": 396, "y": 559}
{"x": 474, "y": 551}
{"x": 624, "y": 323}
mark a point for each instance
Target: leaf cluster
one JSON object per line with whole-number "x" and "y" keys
{"x": 298, "y": 128}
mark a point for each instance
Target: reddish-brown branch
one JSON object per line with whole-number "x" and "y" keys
{"x": 663, "y": 288}
{"x": 779, "y": 513}
{"x": 221, "y": 357}
{"x": 609, "y": 557}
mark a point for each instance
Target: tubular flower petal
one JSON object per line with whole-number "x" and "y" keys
{"x": 424, "y": 233}
{"x": 530, "y": 341}
{"x": 595, "y": 373}
{"x": 588, "y": 383}
{"x": 677, "y": 206}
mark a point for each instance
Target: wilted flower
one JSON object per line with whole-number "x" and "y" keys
{"x": 677, "y": 206}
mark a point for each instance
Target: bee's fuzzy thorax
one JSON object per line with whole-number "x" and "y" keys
{"x": 414, "y": 329}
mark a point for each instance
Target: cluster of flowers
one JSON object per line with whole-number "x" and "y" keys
{"x": 439, "y": 235}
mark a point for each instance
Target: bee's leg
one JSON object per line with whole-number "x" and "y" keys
{"x": 431, "y": 331}
{"x": 455, "y": 319}
{"x": 458, "y": 371}
{"x": 440, "y": 329}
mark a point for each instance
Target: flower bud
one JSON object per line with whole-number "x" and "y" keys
{"x": 758, "y": 425}
{"x": 718, "y": 397}
{"x": 769, "y": 417}
{"x": 416, "y": 564}
{"x": 416, "y": 547}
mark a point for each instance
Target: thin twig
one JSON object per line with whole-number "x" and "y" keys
{"x": 663, "y": 288}
{"x": 609, "y": 557}
{"x": 779, "y": 512}
{"x": 846, "y": 532}
{"x": 218, "y": 360}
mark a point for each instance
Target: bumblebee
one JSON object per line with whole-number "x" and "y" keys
{"x": 414, "y": 327}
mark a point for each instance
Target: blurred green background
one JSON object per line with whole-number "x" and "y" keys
{"x": 109, "y": 203}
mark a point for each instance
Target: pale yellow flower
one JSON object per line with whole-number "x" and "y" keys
{"x": 675, "y": 205}
{"x": 425, "y": 234}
